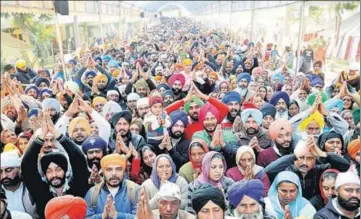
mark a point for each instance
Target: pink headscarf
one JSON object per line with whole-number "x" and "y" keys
{"x": 206, "y": 166}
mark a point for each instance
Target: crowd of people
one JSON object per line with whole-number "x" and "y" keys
{"x": 180, "y": 123}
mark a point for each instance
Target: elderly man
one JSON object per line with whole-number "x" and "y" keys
{"x": 232, "y": 99}
{"x": 347, "y": 202}
{"x": 246, "y": 199}
{"x": 243, "y": 80}
{"x": 169, "y": 200}
{"x": 280, "y": 132}
{"x": 252, "y": 133}
{"x": 132, "y": 100}
{"x": 142, "y": 107}
{"x": 303, "y": 163}
{"x": 18, "y": 195}
{"x": 59, "y": 173}
{"x": 116, "y": 197}
{"x": 122, "y": 135}
{"x": 280, "y": 100}
{"x": 268, "y": 115}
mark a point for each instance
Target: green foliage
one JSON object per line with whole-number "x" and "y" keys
{"x": 315, "y": 13}
{"x": 40, "y": 34}
{"x": 346, "y": 6}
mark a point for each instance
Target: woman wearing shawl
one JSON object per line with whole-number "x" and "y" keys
{"x": 224, "y": 87}
{"x": 285, "y": 198}
{"x": 247, "y": 168}
{"x": 213, "y": 168}
{"x": 147, "y": 155}
{"x": 327, "y": 189}
{"x": 191, "y": 170}
{"x": 164, "y": 170}
{"x": 331, "y": 142}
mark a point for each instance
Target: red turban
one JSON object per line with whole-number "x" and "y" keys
{"x": 58, "y": 207}
{"x": 248, "y": 105}
{"x": 353, "y": 147}
{"x": 208, "y": 108}
{"x": 278, "y": 125}
{"x": 176, "y": 77}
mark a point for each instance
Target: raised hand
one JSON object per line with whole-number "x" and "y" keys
{"x": 237, "y": 124}
{"x": 216, "y": 138}
{"x": 73, "y": 108}
{"x": 44, "y": 125}
{"x": 287, "y": 214}
{"x": 94, "y": 175}
{"x": 83, "y": 106}
{"x": 120, "y": 145}
{"x": 248, "y": 172}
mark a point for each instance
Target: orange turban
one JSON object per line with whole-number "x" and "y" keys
{"x": 158, "y": 78}
{"x": 213, "y": 75}
{"x": 353, "y": 147}
{"x": 278, "y": 125}
{"x": 100, "y": 77}
{"x": 79, "y": 121}
{"x": 116, "y": 73}
{"x": 113, "y": 159}
{"x": 73, "y": 207}
{"x": 99, "y": 100}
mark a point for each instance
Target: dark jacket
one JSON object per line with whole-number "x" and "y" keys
{"x": 329, "y": 212}
{"x": 26, "y": 77}
{"x": 179, "y": 153}
{"x": 137, "y": 140}
{"x": 39, "y": 189}
{"x": 310, "y": 181}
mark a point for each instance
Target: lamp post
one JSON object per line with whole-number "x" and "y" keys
{"x": 60, "y": 45}
{"x": 300, "y": 34}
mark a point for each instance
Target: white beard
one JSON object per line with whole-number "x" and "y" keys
{"x": 257, "y": 215}
{"x": 242, "y": 91}
{"x": 283, "y": 115}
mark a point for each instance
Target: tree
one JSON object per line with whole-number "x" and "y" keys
{"x": 340, "y": 8}
{"x": 315, "y": 13}
{"x": 40, "y": 33}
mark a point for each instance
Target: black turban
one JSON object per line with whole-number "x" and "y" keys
{"x": 123, "y": 114}
{"x": 206, "y": 193}
{"x": 268, "y": 110}
{"x": 54, "y": 157}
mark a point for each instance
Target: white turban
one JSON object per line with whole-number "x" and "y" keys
{"x": 142, "y": 102}
{"x": 10, "y": 159}
{"x": 169, "y": 190}
{"x": 346, "y": 178}
{"x": 111, "y": 106}
{"x": 133, "y": 96}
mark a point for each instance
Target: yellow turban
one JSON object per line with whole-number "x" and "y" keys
{"x": 113, "y": 159}
{"x": 99, "y": 100}
{"x": 20, "y": 63}
{"x": 100, "y": 77}
{"x": 317, "y": 116}
{"x": 116, "y": 73}
{"x": 187, "y": 62}
{"x": 10, "y": 147}
{"x": 79, "y": 121}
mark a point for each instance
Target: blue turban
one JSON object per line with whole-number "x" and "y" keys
{"x": 168, "y": 93}
{"x": 279, "y": 95}
{"x": 32, "y": 86}
{"x": 231, "y": 96}
{"x": 45, "y": 90}
{"x": 254, "y": 113}
{"x": 41, "y": 80}
{"x": 317, "y": 80}
{"x": 165, "y": 86}
{"x": 252, "y": 188}
{"x": 98, "y": 59}
{"x": 90, "y": 72}
{"x": 107, "y": 58}
{"x": 125, "y": 114}
{"x": 73, "y": 61}
{"x": 95, "y": 142}
{"x": 179, "y": 115}
{"x": 113, "y": 63}
{"x": 33, "y": 112}
{"x": 268, "y": 110}
{"x": 277, "y": 75}
{"x": 51, "y": 103}
{"x": 332, "y": 103}
{"x": 245, "y": 75}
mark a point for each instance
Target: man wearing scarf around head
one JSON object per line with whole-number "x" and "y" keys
{"x": 192, "y": 104}
{"x": 353, "y": 150}
{"x": 224, "y": 141}
{"x": 142, "y": 85}
{"x": 243, "y": 80}
{"x": 116, "y": 197}
{"x": 280, "y": 100}
{"x": 61, "y": 175}
{"x": 303, "y": 163}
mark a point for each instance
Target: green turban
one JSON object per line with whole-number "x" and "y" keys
{"x": 312, "y": 97}
{"x": 141, "y": 83}
{"x": 356, "y": 115}
{"x": 194, "y": 99}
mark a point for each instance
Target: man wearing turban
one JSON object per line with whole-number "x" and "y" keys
{"x": 117, "y": 197}
{"x": 232, "y": 99}
{"x": 178, "y": 147}
{"x": 243, "y": 80}
{"x": 98, "y": 103}
{"x": 121, "y": 123}
{"x": 24, "y": 74}
{"x": 66, "y": 206}
{"x": 143, "y": 85}
{"x": 192, "y": 105}
{"x": 246, "y": 199}
{"x": 54, "y": 107}
{"x": 176, "y": 82}
{"x": 252, "y": 133}
{"x": 268, "y": 114}
{"x": 280, "y": 132}
{"x": 56, "y": 173}
{"x": 280, "y": 100}
{"x": 353, "y": 149}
